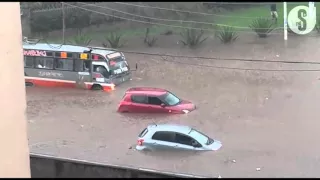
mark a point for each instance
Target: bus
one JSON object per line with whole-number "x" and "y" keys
{"x": 55, "y": 65}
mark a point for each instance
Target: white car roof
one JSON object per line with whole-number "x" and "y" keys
{"x": 173, "y": 128}
{"x": 170, "y": 127}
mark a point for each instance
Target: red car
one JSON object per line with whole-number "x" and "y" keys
{"x": 153, "y": 100}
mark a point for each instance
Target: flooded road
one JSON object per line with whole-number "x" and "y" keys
{"x": 266, "y": 120}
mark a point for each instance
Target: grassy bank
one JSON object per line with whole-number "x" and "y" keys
{"x": 240, "y": 19}
{"x": 244, "y": 17}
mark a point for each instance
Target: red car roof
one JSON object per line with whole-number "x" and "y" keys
{"x": 146, "y": 90}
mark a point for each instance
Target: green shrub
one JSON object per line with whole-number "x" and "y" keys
{"x": 192, "y": 37}
{"x": 114, "y": 40}
{"x": 81, "y": 40}
{"x": 41, "y": 5}
{"x": 150, "y": 41}
{"x": 262, "y": 26}
{"x": 78, "y": 19}
{"x": 41, "y": 22}
{"x": 168, "y": 32}
{"x": 227, "y": 34}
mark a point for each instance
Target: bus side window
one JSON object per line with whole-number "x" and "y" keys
{"x": 78, "y": 65}
{"x": 28, "y": 61}
{"x": 86, "y": 66}
{"x": 59, "y": 64}
{"x": 82, "y": 66}
{"x": 64, "y": 64}
{"x": 44, "y": 62}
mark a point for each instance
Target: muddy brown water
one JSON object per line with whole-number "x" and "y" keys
{"x": 266, "y": 120}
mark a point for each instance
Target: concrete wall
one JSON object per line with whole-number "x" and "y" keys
{"x": 14, "y": 154}
{"x": 50, "y": 167}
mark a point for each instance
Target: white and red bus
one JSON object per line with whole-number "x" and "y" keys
{"x": 74, "y": 66}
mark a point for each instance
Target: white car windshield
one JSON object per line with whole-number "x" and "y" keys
{"x": 203, "y": 139}
{"x": 171, "y": 99}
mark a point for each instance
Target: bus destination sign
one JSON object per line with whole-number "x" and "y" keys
{"x": 34, "y": 53}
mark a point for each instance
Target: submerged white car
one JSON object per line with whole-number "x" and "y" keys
{"x": 169, "y": 136}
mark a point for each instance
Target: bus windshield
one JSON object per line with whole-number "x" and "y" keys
{"x": 118, "y": 65}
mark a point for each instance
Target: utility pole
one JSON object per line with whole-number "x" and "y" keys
{"x": 14, "y": 156}
{"x": 285, "y": 21}
{"x": 63, "y": 23}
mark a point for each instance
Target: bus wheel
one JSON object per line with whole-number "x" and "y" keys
{"x": 28, "y": 84}
{"x": 96, "y": 87}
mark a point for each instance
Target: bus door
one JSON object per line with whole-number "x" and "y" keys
{"x": 101, "y": 72}
{"x": 84, "y": 69}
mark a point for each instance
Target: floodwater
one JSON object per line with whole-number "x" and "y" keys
{"x": 265, "y": 120}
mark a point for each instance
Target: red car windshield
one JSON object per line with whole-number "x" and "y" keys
{"x": 171, "y": 99}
